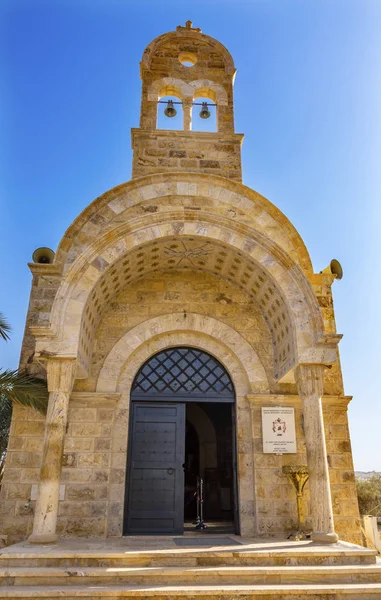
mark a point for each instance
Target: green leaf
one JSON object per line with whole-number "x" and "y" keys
{"x": 21, "y": 388}
{"x": 5, "y": 328}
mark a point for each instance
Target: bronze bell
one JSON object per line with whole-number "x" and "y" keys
{"x": 170, "y": 111}
{"x": 204, "y": 112}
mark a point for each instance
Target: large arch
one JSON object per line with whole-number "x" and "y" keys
{"x": 109, "y": 376}
{"x": 283, "y": 292}
{"x": 209, "y": 195}
{"x": 239, "y": 372}
{"x": 130, "y": 220}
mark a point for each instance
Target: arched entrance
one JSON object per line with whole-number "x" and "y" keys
{"x": 182, "y": 427}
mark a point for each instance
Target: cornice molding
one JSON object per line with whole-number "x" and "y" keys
{"x": 94, "y": 398}
{"x": 44, "y": 269}
{"x": 295, "y": 400}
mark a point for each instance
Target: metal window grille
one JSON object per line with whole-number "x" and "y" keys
{"x": 183, "y": 372}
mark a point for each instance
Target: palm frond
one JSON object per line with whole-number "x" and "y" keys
{"x": 21, "y": 388}
{"x": 5, "y": 423}
{"x": 5, "y": 328}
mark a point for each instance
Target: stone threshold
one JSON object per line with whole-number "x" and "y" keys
{"x": 351, "y": 591}
{"x": 165, "y": 545}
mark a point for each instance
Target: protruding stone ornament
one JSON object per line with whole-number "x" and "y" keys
{"x": 298, "y": 477}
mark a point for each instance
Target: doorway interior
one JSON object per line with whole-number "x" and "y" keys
{"x": 181, "y": 439}
{"x": 209, "y": 456}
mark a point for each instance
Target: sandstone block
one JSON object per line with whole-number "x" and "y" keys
{"x": 86, "y": 429}
{"x": 99, "y": 476}
{"x": 102, "y": 444}
{"x": 80, "y": 492}
{"x": 29, "y": 428}
{"x": 18, "y": 459}
{"x": 85, "y": 527}
{"x": 98, "y": 509}
{"x": 82, "y": 415}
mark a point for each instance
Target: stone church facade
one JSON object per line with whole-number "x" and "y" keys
{"x": 181, "y": 266}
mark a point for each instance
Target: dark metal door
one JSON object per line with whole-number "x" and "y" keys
{"x": 155, "y": 498}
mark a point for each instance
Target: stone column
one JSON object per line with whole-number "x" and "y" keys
{"x": 309, "y": 381}
{"x": 187, "y": 113}
{"x": 60, "y": 374}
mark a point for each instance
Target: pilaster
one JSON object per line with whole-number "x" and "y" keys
{"x": 61, "y": 373}
{"x": 310, "y": 383}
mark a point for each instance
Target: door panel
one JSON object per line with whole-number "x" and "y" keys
{"x": 155, "y": 502}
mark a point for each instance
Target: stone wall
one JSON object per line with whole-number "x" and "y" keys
{"x": 86, "y": 468}
{"x": 186, "y": 151}
{"x": 179, "y": 291}
{"x": 94, "y": 461}
{"x": 42, "y": 294}
{"x": 275, "y": 497}
{"x": 21, "y": 472}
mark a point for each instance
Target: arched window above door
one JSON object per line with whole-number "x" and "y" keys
{"x": 183, "y": 374}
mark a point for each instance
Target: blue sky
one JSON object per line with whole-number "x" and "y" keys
{"x": 307, "y": 98}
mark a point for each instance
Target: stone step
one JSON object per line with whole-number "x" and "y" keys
{"x": 248, "y": 575}
{"x": 354, "y": 555}
{"x": 354, "y": 591}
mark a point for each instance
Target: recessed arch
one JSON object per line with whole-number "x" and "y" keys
{"x": 195, "y": 252}
{"x": 104, "y": 213}
{"x": 232, "y": 215}
{"x": 240, "y": 374}
{"x": 112, "y": 377}
{"x": 295, "y": 296}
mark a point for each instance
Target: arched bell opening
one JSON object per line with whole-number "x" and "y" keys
{"x": 170, "y": 113}
{"x": 181, "y": 460}
{"x": 204, "y": 111}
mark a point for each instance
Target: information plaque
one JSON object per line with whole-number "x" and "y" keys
{"x": 278, "y": 430}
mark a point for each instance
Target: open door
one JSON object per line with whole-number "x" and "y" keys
{"x": 156, "y": 477}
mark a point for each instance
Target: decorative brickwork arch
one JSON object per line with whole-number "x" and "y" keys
{"x": 213, "y": 195}
{"x": 108, "y": 380}
{"x": 170, "y": 86}
{"x": 281, "y": 289}
{"x": 154, "y": 210}
{"x": 210, "y": 89}
{"x": 191, "y": 35}
{"x": 240, "y": 373}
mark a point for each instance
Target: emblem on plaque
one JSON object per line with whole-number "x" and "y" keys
{"x": 279, "y": 426}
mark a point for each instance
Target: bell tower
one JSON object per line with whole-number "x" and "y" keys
{"x": 193, "y": 68}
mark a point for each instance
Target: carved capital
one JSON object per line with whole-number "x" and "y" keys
{"x": 297, "y": 475}
{"x": 61, "y": 374}
{"x": 187, "y": 102}
{"x": 310, "y": 380}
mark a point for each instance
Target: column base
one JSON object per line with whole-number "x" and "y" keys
{"x": 319, "y": 537}
{"x": 43, "y": 538}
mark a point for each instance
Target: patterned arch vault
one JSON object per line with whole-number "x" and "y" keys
{"x": 195, "y": 253}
